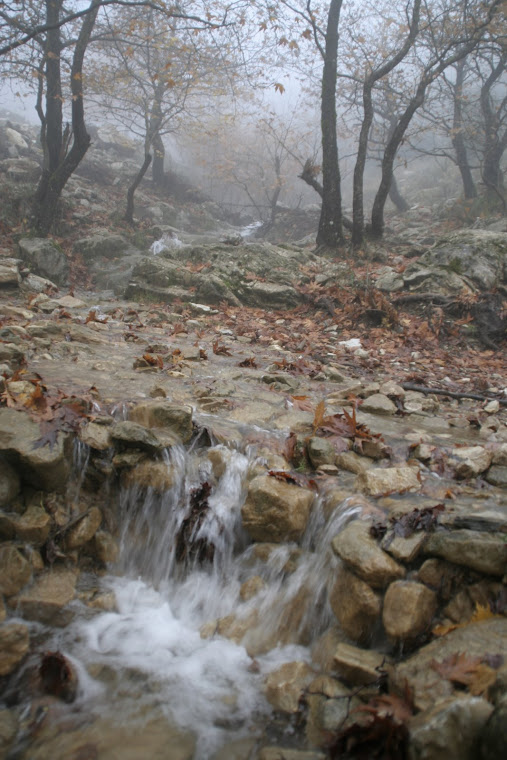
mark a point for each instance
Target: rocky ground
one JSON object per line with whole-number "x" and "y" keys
{"x": 378, "y": 382}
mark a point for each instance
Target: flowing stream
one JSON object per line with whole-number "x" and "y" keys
{"x": 177, "y": 588}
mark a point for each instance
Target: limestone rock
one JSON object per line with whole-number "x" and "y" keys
{"x": 359, "y": 667}
{"x": 33, "y": 526}
{"x": 9, "y": 483}
{"x": 500, "y": 455}
{"x": 9, "y": 275}
{"x": 132, "y": 435}
{"x": 45, "y": 600}
{"x": 352, "y": 462}
{"x": 408, "y": 610}
{"x": 96, "y": 436}
{"x": 361, "y": 553}
{"x": 379, "y": 481}
{"x": 251, "y": 587}
{"x": 378, "y": 403}
{"x": 101, "y": 244}
{"x": 84, "y": 530}
{"x": 45, "y": 259}
{"x": 159, "y": 413}
{"x": 324, "y": 647}
{"x": 329, "y": 703}
{"x": 15, "y": 570}
{"x": 106, "y": 547}
{"x": 497, "y": 476}
{"x": 469, "y": 461}
{"x": 275, "y": 510}
{"x": 404, "y": 549}
{"x": 43, "y": 467}
{"x": 9, "y": 352}
{"x": 285, "y": 685}
{"x": 320, "y": 451}
{"x": 158, "y": 476}
{"x": 8, "y": 730}
{"x": 356, "y": 606}
{"x": 281, "y": 753}
{"x": 493, "y": 740}
{"x": 450, "y": 730}
{"x": 484, "y": 552}
{"x": 428, "y": 686}
{"x": 14, "y": 645}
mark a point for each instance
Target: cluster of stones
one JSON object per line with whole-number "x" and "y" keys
{"x": 387, "y": 593}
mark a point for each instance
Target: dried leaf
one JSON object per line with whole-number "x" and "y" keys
{"x": 459, "y": 668}
{"x": 294, "y": 478}
{"x": 219, "y": 348}
{"x": 319, "y": 415}
{"x": 248, "y": 363}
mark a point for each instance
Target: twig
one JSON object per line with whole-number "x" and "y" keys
{"x": 452, "y": 394}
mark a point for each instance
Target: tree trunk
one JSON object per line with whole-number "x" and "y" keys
{"x": 494, "y": 143}
{"x": 61, "y": 163}
{"x": 129, "y": 210}
{"x": 330, "y": 233}
{"x": 362, "y": 149}
{"x": 458, "y": 140}
{"x": 396, "y": 197}
{"x": 157, "y": 169}
{"x": 377, "y": 213}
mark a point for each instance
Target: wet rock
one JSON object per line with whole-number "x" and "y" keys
{"x": 450, "y": 730}
{"x": 45, "y": 259}
{"x": 493, "y": 740}
{"x": 352, "y": 462}
{"x": 9, "y": 352}
{"x": 106, "y": 547}
{"x": 359, "y": 667}
{"x": 84, "y": 530}
{"x": 46, "y": 599}
{"x": 409, "y": 608}
{"x": 3, "y": 611}
{"x": 479, "y": 551}
{"x": 8, "y": 730}
{"x": 44, "y": 467}
{"x": 500, "y": 455}
{"x": 32, "y": 526}
{"x": 469, "y": 461}
{"x": 281, "y": 753}
{"x": 14, "y": 645}
{"x": 96, "y": 436}
{"x": 236, "y": 750}
{"x": 380, "y": 481}
{"x": 356, "y": 606}
{"x": 404, "y": 549}
{"x": 324, "y": 647}
{"x": 497, "y": 476}
{"x": 15, "y": 570}
{"x": 275, "y": 510}
{"x": 158, "y": 476}
{"x": 132, "y": 435}
{"x": 284, "y": 686}
{"x": 378, "y": 403}
{"x": 320, "y": 451}
{"x": 159, "y": 413}
{"x": 270, "y": 295}
{"x": 428, "y": 686}
{"x": 329, "y": 703}
{"x": 361, "y": 553}
{"x": 9, "y": 483}
{"x": 251, "y": 587}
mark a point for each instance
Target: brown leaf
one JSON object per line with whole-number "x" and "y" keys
{"x": 219, "y": 348}
{"x": 58, "y": 677}
{"x": 93, "y": 317}
{"x": 250, "y": 362}
{"x": 319, "y": 415}
{"x": 459, "y": 668}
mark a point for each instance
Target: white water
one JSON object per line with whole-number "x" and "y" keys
{"x": 165, "y": 243}
{"x": 152, "y": 641}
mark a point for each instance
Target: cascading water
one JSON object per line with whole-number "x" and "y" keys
{"x": 161, "y": 649}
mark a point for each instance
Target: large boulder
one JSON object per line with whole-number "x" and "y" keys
{"x": 253, "y": 274}
{"x": 45, "y": 259}
{"x": 361, "y": 553}
{"x": 101, "y": 244}
{"x": 470, "y": 260}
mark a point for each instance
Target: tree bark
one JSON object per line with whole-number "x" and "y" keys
{"x": 60, "y": 164}
{"x": 396, "y": 197}
{"x": 129, "y": 210}
{"x": 330, "y": 232}
{"x": 157, "y": 169}
{"x": 458, "y": 140}
{"x": 495, "y": 143}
